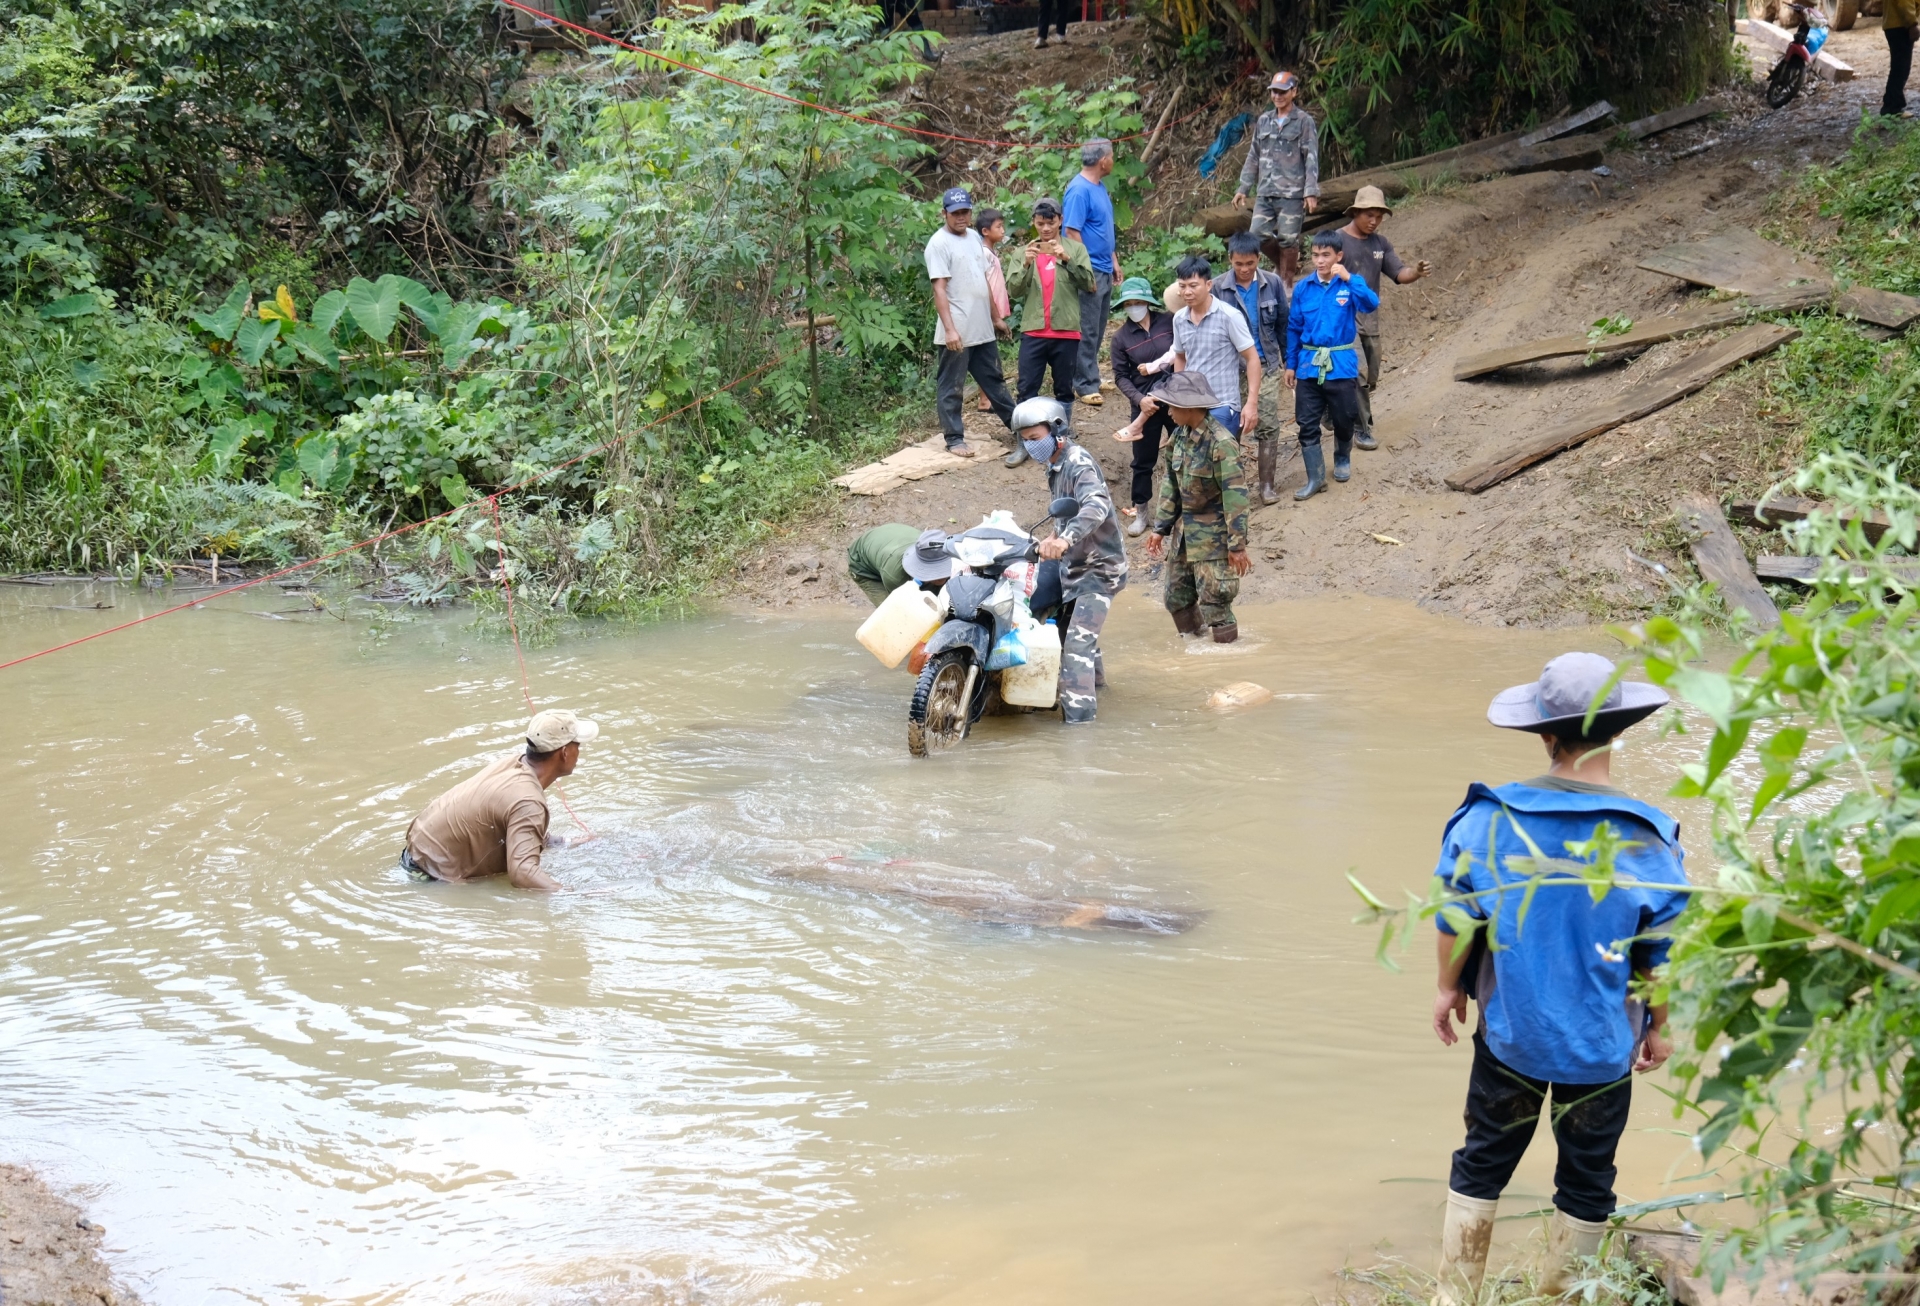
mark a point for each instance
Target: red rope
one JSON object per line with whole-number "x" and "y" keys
{"x": 606, "y": 39}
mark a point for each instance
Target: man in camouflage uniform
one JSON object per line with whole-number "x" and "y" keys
{"x": 1282, "y": 173}
{"x": 1092, "y": 556}
{"x": 1203, "y": 508}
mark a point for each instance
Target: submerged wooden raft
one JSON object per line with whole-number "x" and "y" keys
{"x": 966, "y": 893}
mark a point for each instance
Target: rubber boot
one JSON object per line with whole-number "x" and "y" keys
{"x": 1363, "y": 439}
{"x": 1464, "y": 1242}
{"x": 1342, "y": 458}
{"x": 1138, "y": 526}
{"x": 1316, "y": 460}
{"x": 1187, "y": 620}
{"x": 1568, "y": 1240}
{"x": 1269, "y": 461}
{"x": 1226, "y": 632}
{"x": 1018, "y": 456}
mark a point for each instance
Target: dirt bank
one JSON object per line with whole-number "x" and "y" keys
{"x": 1514, "y": 258}
{"x": 49, "y": 1251}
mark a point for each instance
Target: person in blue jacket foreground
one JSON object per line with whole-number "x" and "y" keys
{"x": 1556, "y": 1016}
{"x": 1323, "y": 359}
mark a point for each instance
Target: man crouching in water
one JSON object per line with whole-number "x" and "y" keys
{"x": 1093, "y": 566}
{"x": 495, "y": 823}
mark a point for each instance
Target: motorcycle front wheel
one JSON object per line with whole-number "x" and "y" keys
{"x": 937, "y": 718}
{"x": 1784, "y": 82}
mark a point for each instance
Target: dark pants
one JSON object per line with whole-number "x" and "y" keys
{"x": 983, "y": 362}
{"x": 1095, "y": 307}
{"x": 1899, "y": 64}
{"x": 1037, "y": 354}
{"x": 1369, "y": 378}
{"x": 1146, "y": 453}
{"x": 1503, "y": 1106}
{"x": 1337, "y": 401}
{"x": 902, "y": 13}
{"x": 1053, "y": 12}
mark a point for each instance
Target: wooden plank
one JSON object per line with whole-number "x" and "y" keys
{"x": 1801, "y": 571}
{"x": 1737, "y": 260}
{"x": 1651, "y": 395}
{"x": 1641, "y": 128}
{"x": 1571, "y": 122}
{"x": 1649, "y": 333}
{"x": 1721, "y": 560}
{"x": 1826, "y": 66}
{"x": 1884, "y": 307}
{"x": 1775, "y": 509}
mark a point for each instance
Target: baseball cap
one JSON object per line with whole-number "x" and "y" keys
{"x": 957, "y": 198}
{"x": 557, "y": 727}
{"x": 1045, "y": 209}
{"x": 1284, "y": 81}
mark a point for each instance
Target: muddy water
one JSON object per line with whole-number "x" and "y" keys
{"x": 276, "y": 1070}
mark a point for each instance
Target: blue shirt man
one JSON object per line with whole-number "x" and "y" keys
{"x": 1556, "y": 1010}
{"x": 1323, "y": 320}
{"x": 1086, "y": 215}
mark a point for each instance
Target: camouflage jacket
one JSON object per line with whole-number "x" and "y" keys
{"x": 1284, "y": 159}
{"x": 1203, "y": 495}
{"x": 1094, "y": 547}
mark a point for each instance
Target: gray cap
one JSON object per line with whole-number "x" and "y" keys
{"x": 926, "y": 559}
{"x": 1187, "y": 389}
{"x": 1557, "y": 703}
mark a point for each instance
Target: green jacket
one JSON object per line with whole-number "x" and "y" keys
{"x": 1023, "y": 287}
{"x": 1203, "y": 497}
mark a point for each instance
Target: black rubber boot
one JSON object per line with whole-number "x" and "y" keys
{"x": 1269, "y": 462}
{"x": 1226, "y": 633}
{"x": 1316, "y": 462}
{"x": 1018, "y": 456}
{"x": 1187, "y": 620}
{"x": 1342, "y": 458}
{"x": 1363, "y": 439}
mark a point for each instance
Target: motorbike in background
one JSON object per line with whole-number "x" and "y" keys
{"x": 1789, "y": 75}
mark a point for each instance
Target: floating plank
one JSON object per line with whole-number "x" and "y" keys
{"x": 1641, "y": 128}
{"x": 1721, "y": 560}
{"x": 1801, "y": 571}
{"x": 1825, "y": 66}
{"x": 1737, "y": 260}
{"x": 1775, "y": 509}
{"x": 1571, "y": 122}
{"x": 1649, "y": 333}
{"x": 1883, "y": 307}
{"x": 1650, "y": 396}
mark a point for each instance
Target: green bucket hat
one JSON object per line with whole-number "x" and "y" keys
{"x": 1135, "y": 288}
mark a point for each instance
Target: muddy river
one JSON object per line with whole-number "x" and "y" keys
{"x": 276, "y": 1070}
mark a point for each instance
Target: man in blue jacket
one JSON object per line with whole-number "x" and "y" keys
{"x": 1323, "y": 359}
{"x": 1556, "y": 1014}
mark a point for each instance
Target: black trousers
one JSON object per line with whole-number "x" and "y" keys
{"x": 1053, "y": 12}
{"x": 1146, "y": 453}
{"x": 1899, "y": 64}
{"x": 902, "y": 13}
{"x": 1037, "y": 354}
{"x": 983, "y": 361}
{"x": 1503, "y": 1106}
{"x": 1337, "y": 401}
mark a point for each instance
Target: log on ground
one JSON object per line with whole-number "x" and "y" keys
{"x": 1802, "y": 571}
{"x": 1776, "y": 509}
{"x": 1641, "y": 128}
{"x": 1567, "y": 123}
{"x": 1737, "y": 260}
{"x": 1721, "y": 560}
{"x": 1881, "y": 307}
{"x": 1656, "y": 392}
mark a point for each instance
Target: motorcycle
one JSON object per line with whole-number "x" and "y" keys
{"x": 956, "y": 687}
{"x": 1790, "y": 74}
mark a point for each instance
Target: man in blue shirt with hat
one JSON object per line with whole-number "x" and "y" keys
{"x": 1323, "y": 359}
{"x": 1556, "y": 1014}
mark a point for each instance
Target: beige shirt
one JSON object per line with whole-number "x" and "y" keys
{"x": 493, "y": 823}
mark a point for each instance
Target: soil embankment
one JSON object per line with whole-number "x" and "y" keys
{"x": 1514, "y": 258}
{"x": 49, "y": 1251}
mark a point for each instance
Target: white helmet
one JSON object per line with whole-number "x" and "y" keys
{"x": 1039, "y": 411}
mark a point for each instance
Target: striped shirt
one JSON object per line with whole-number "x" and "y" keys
{"x": 1212, "y": 347}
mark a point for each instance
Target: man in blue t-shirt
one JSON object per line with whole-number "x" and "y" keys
{"x": 1087, "y": 216}
{"x": 1552, "y": 981}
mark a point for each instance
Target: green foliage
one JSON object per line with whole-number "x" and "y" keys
{"x": 1054, "y": 114}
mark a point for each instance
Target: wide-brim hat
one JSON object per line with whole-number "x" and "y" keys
{"x": 1172, "y": 298}
{"x": 1558, "y": 702}
{"x": 1187, "y": 389}
{"x": 927, "y": 559}
{"x": 1369, "y": 197}
{"x": 1134, "y": 290}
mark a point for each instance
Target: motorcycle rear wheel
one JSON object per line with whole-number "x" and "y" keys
{"x": 937, "y": 717}
{"x": 1784, "y": 82}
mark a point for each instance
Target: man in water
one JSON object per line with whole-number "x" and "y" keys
{"x": 1202, "y": 508}
{"x": 495, "y": 823}
{"x": 883, "y": 559}
{"x": 1552, "y": 983}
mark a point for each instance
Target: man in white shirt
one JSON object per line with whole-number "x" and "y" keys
{"x": 957, "y": 266}
{"x": 1213, "y": 339}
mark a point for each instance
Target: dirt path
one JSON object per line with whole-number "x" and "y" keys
{"x": 49, "y": 1252}
{"x": 1514, "y": 258}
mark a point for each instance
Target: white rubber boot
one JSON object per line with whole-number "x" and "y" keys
{"x": 1463, "y": 1249}
{"x": 1568, "y": 1240}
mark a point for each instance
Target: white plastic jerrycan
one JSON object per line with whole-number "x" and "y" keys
{"x": 909, "y": 615}
{"x": 1036, "y": 684}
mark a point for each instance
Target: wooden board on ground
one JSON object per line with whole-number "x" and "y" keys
{"x": 1707, "y": 318}
{"x": 1825, "y": 66}
{"x": 1883, "y": 307}
{"x": 1801, "y": 571}
{"x": 913, "y": 463}
{"x": 1566, "y": 123}
{"x": 1649, "y": 396}
{"x": 1721, "y": 560}
{"x": 1778, "y": 508}
{"x": 1737, "y": 260}
{"x": 1641, "y": 128}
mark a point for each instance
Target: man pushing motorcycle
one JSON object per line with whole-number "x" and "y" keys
{"x": 1092, "y": 556}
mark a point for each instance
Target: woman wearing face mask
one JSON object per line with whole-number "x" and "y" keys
{"x": 1142, "y": 349}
